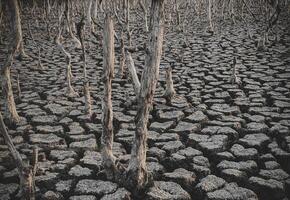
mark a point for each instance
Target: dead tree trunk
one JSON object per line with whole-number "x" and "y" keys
{"x": 18, "y": 31}
{"x": 132, "y": 70}
{"x": 137, "y": 175}
{"x": 169, "y": 92}
{"x": 122, "y": 57}
{"x": 14, "y": 43}
{"x": 68, "y": 19}
{"x": 145, "y": 14}
{"x": 26, "y": 173}
{"x": 209, "y": 14}
{"x": 86, "y": 84}
{"x": 18, "y": 86}
{"x": 107, "y": 116}
{"x": 70, "y": 91}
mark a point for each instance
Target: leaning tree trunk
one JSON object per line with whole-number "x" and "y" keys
{"x": 137, "y": 175}
{"x": 107, "y": 117}
{"x": 26, "y": 173}
{"x": 14, "y": 43}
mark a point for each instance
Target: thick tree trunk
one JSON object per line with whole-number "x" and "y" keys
{"x": 26, "y": 173}
{"x": 137, "y": 175}
{"x": 14, "y": 43}
{"x": 107, "y": 116}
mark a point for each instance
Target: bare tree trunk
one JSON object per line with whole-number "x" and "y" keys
{"x": 68, "y": 19}
{"x": 107, "y": 116}
{"x": 169, "y": 92}
{"x": 95, "y": 9}
{"x": 18, "y": 30}
{"x": 86, "y": 85}
{"x": 131, "y": 67}
{"x": 26, "y": 173}
{"x": 18, "y": 86}
{"x": 89, "y": 13}
{"x": 14, "y": 43}
{"x": 70, "y": 91}
{"x": 209, "y": 13}
{"x": 145, "y": 14}
{"x": 137, "y": 175}
{"x": 122, "y": 57}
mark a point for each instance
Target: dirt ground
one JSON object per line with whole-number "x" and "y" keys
{"x": 216, "y": 141}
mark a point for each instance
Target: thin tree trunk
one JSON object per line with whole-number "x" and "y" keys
{"x": 26, "y": 173}
{"x": 132, "y": 70}
{"x": 145, "y": 14}
{"x": 122, "y": 57}
{"x": 107, "y": 116}
{"x": 169, "y": 92}
{"x": 14, "y": 43}
{"x": 209, "y": 13}
{"x": 68, "y": 19}
{"x": 137, "y": 175}
{"x": 86, "y": 85}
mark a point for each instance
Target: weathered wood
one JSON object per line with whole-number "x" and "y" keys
{"x": 137, "y": 175}
{"x": 86, "y": 85}
{"x": 14, "y": 44}
{"x": 132, "y": 70}
{"x": 26, "y": 173}
{"x": 70, "y": 91}
{"x": 122, "y": 57}
{"x": 144, "y": 14}
{"x": 169, "y": 91}
{"x": 234, "y": 78}
{"x": 107, "y": 115}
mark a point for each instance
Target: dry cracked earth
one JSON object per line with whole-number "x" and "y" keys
{"x": 216, "y": 141}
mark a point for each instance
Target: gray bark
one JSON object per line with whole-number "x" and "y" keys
{"x": 132, "y": 70}
{"x": 169, "y": 92}
{"x": 26, "y": 173}
{"x": 107, "y": 115}
{"x": 137, "y": 175}
{"x": 14, "y": 44}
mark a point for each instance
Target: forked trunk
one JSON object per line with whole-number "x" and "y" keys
{"x": 107, "y": 115}
{"x": 137, "y": 175}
